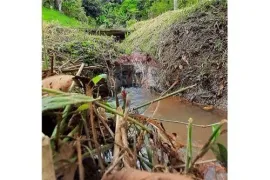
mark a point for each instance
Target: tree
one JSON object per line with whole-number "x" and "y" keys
{"x": 92, "y": 7}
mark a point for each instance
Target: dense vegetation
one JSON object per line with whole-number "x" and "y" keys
{"x": 109, "y": 13}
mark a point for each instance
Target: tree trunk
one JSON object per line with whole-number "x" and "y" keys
{"x": 175, "y": 5}
{"x": 58, "y": 5}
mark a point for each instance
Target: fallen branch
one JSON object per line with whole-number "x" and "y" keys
{"x": 75, "y": 69}
{"x": 164, "y": 97}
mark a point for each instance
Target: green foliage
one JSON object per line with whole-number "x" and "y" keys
{"x": 64, "y": 99}
{"x": 48, "y": 3}
{"x": 220, "y": 152}
{"x": 146, "y": 34}
{"x": 186, "y": 3}
{"x": 51, "y": 15}
{"x": 131, "y": 22}
{"x": 73, "y": 8}
{"x": 98, "y": 78}
{"x": 118, "y": 14}
{"x": 91, "y": 21}
{"x": 92, "y": 7}
{"x": 160, "y": 6}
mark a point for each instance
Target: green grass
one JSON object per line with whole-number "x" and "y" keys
{"x": 50, "y": 15}
{"x": 146, "y": 35}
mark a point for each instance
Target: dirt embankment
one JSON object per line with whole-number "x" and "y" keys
{"x": 194, "y": 51}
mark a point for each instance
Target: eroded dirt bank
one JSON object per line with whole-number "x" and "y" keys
{"x": 195, "y": 52}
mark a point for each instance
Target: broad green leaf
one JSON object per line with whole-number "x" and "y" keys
{"x": 220, "y": 152}
{"x": 98, "y": 78}
{"x": 223, "y": 153}
{"x": 62, "y": 100}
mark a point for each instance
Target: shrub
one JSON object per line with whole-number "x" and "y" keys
{"x": 159, "y": 7}
{"x": 92, "y": 7}
{"x": 73, "y": 8}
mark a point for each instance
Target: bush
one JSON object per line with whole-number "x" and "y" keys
{"x": 159, "y": 7}
{"x": 73, "y": 8}
{"x": 48, "y": 3}
{"x": 118, "y": 14}
{"x": 92, "y": 7}
{"x": 91, "y": 21}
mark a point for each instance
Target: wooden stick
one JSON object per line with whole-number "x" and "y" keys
{"x": 103, "y": 120}
{"x": 89, "y": 93}
{"x": 79, "y": 154}
{"x": 117, "y": 138}
{"x": 77, "y": 74}
{"x": 200, "y": 162}
{"x": 164, "y": 97}
{"x": 75, "y": 69}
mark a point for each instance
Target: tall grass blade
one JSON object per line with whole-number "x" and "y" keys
{"x": 189, "y": 146}
{"x": 60, "y": 101}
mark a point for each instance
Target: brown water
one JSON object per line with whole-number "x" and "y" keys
{"x": 175, "y": 109}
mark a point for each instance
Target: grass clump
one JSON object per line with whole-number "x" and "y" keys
{"x": 70, "y": 43}
{"x": 51, "y": 15}
{"x": 145, "y": 35}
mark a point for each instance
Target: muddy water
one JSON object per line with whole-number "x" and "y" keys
{"x": 175, "y": 109}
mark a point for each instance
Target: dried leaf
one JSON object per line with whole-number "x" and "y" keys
{"x": 58, "y": 82}
{"x": 47, "y": 160}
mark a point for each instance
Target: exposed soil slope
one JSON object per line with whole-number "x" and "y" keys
{"x": 194, "y": 51}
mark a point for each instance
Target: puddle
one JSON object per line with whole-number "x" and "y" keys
{"x": 175, "y": 109}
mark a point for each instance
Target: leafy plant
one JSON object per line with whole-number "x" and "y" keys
{"x": 63, "y": 99}
{"x": 73, "y": 8}
{"x": 159, "y": 7}
{"x": 220, "y": 152}
{"x": 98, "y": 78}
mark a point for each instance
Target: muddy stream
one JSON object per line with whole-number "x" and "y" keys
{"x": 175, "y": 109}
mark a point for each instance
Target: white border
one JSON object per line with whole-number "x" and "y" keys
{"x": 20, "y": 92}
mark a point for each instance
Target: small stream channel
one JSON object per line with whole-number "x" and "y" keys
{"x": 173, "y": 108}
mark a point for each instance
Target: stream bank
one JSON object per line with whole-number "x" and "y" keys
{"x": 191, "y": 49}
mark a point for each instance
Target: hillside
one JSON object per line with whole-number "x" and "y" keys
{"x": 51, "y": 15}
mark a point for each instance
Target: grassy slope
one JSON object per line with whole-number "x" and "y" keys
{"x": 50, "y": 15}
{"x": 146, "y": 34}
